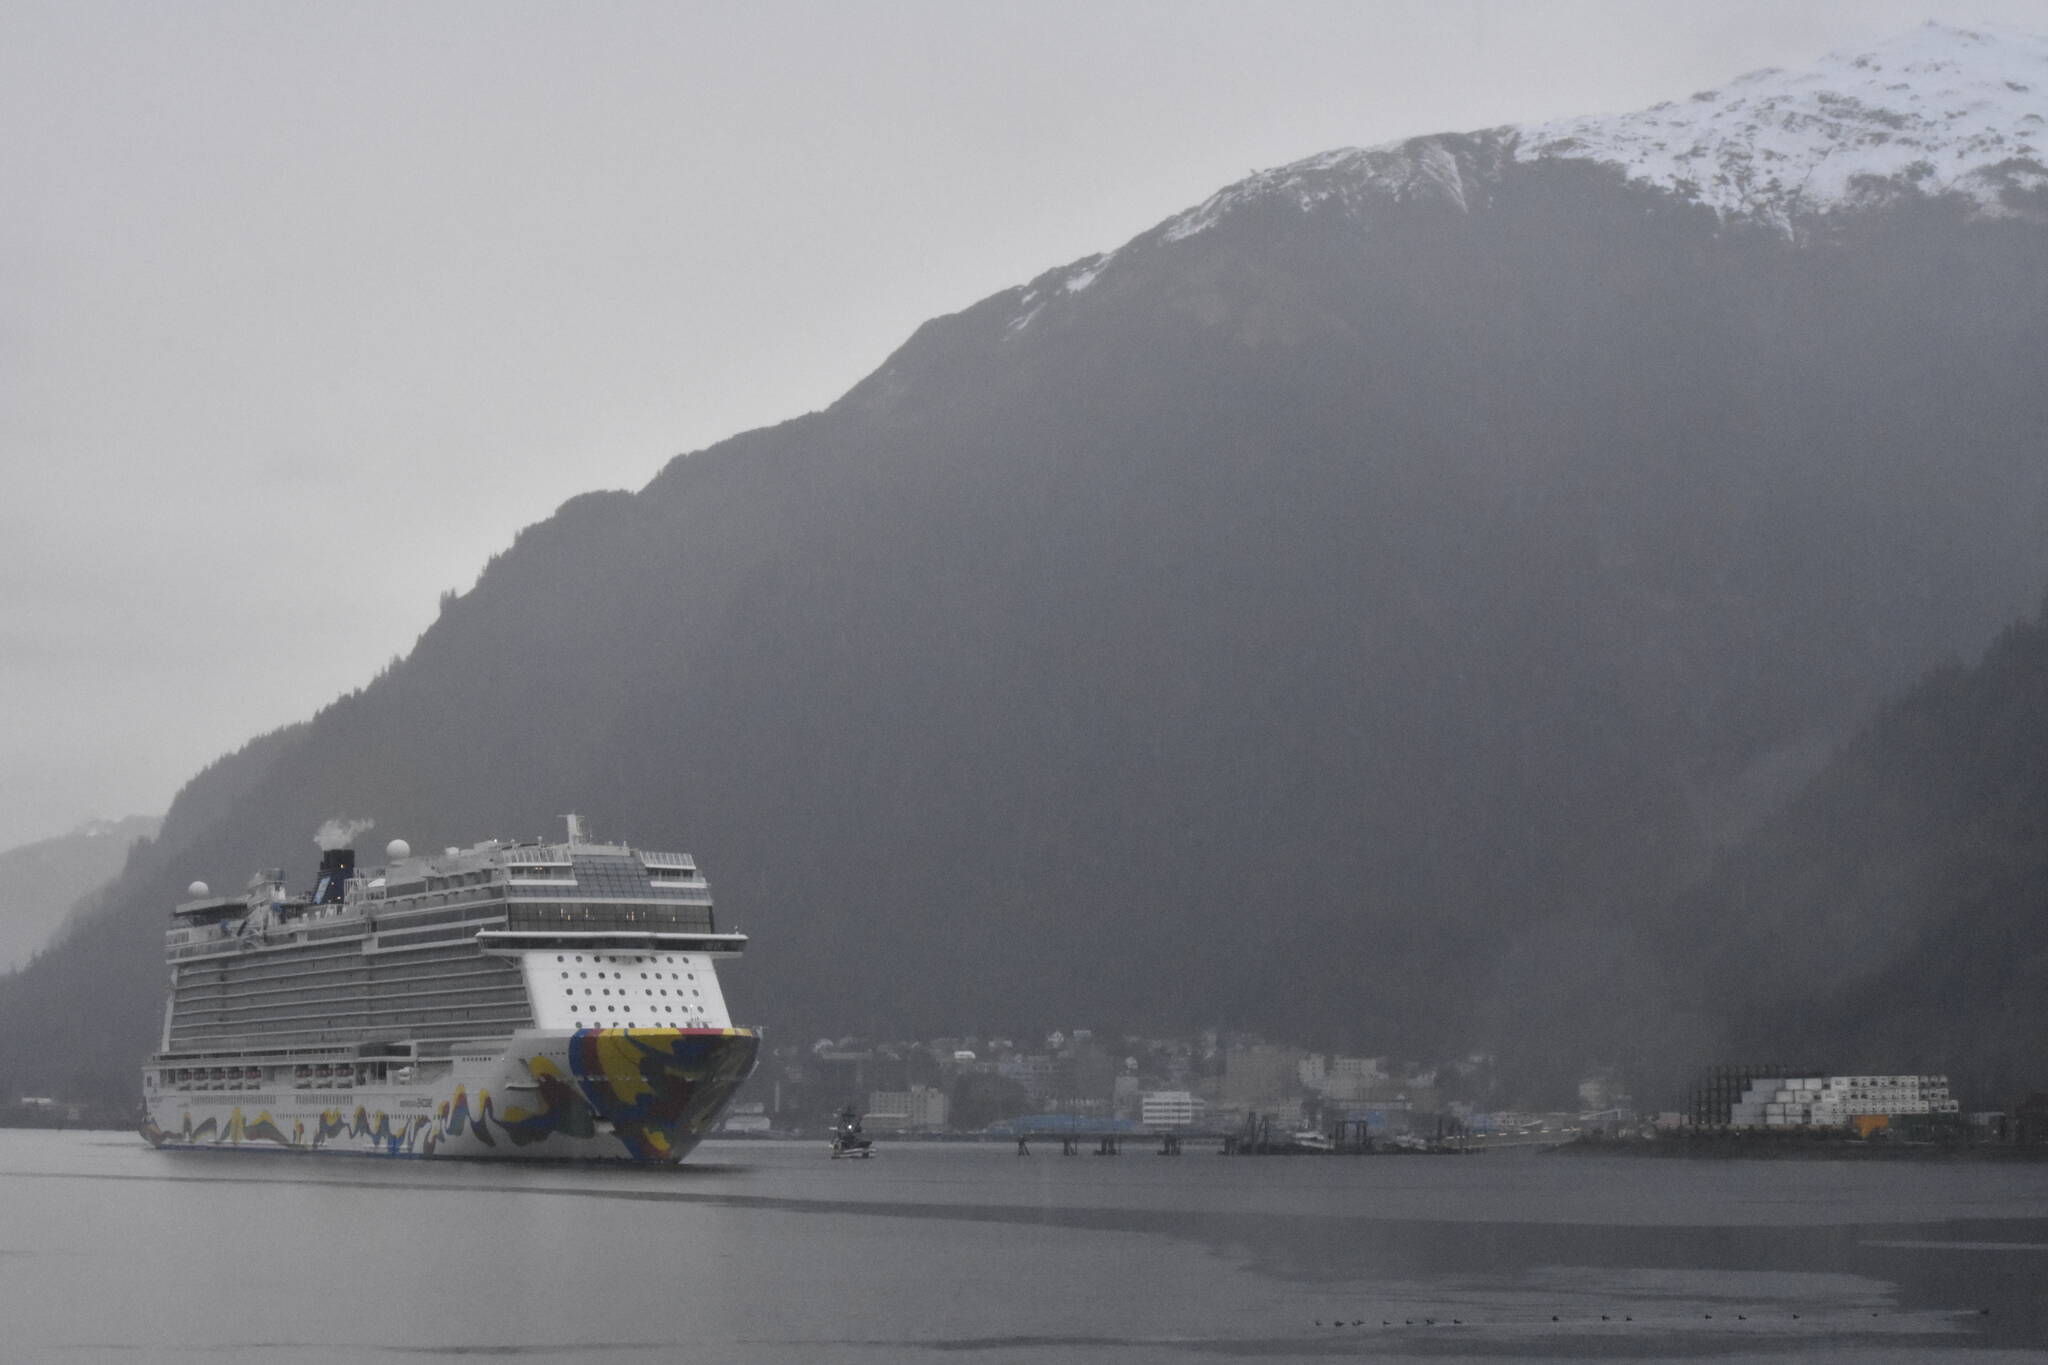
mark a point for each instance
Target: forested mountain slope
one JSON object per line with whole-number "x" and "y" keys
{"x": 1360, "y": 608}
{"x": 41, "y": 881}
{"x": 1896, "y": 916}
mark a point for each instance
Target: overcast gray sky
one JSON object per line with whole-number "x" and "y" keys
{"x": 307, "y": 309}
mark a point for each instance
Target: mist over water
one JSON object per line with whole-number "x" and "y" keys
{"x": 770, "y": 1252}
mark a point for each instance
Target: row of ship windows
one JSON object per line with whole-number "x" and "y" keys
{"x": 305, "y": 1076}
{"x": 380, "y": 1011}
{"x": 597, "y": 1020}
{"x": 405, "y": 938}
{"x": 388, "y": 992}
{"x": 306, "y": 934}
{"x": 329, "y": 986}
{"x": 437, "y": 960}
{"x": 601, "y": 1013}
{"x": 571, "y": 991}
{"x": 414, "y": 917}
{"x": 473, "y": 1024}
{"x": 291, "y": 962}
{"x": 389, "y": 1010}
{"x": 458, "y": 975}
{"x": 593, "y": 1006}
{"x": 427, "y": 963}
{"x": 412, "y": 900}
{"x": 468, "y": 1029}
{"x": 380, "y": 976}
{"x": 462, "y": 1029}
{"x": 585, "y": 976}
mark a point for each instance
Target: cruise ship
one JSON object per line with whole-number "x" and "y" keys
{"x": 507, "y": 1000}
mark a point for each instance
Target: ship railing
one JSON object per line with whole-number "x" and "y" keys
{"x": 649, "y": 918}
{"x": 642, "y": 937}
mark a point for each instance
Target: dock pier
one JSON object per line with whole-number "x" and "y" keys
{"x": 1106, "y": 1141}
{"x": 1261, "y": 1135}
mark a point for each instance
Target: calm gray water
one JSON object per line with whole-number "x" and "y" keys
{"x": 760, "y": 1252}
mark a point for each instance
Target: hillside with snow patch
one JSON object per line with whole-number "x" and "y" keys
{"x": 1941, "y": 109}
{"x": 1361, "y": 608}
{"x": 1937, "y": 111}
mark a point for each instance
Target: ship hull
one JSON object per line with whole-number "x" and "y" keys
{"x": 601, "y": 1094}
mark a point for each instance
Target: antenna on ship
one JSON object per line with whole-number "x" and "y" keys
{"x": 575, "y": 828}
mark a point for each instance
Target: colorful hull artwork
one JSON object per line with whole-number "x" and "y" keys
{"x": 647, "y": 1095}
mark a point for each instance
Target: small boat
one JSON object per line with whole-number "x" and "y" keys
{"x": 847, "y": 1139}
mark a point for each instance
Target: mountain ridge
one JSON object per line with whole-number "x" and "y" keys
{"x": 1366, "y": 627}
{"x": 1782, "y": 149}
{"x": 42, "y": 883}
{"x": 1926, "y": 830}
{"x": 1768, "y": 146}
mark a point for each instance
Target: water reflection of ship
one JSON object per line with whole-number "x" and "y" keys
{"x": 847, "y": 1139}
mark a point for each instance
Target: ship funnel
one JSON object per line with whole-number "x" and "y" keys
{"x": 337, "y": 865}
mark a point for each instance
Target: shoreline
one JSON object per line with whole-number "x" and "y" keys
{"x": 1756, "y": 1147}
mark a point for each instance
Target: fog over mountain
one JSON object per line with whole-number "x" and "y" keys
{"x": 1893, "y": 913}
{"x": 40, "y": 883}
{"x": 1374, "y": 606}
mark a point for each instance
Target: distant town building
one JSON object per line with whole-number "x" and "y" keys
{"x": 1838, "y": 1101}
{"x": 1357, "y": 1078}
{"x": 1343, "y": 1078}
{"x": 1170, "y": 1109}
{"x": 1715, "y": 1096}
{"x": 1603, "y": 1090}
{"x": 2030, "y": 1120}
{"x": 920, "y": 1109}
{"x": 1085, "y": 1072}
{"x": 748, "y": 1116}
{"x": 1261, "y": 1076}
{"x": 1033, "y": 1072}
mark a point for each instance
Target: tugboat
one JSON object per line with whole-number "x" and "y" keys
{"x": 847, "y": 1139}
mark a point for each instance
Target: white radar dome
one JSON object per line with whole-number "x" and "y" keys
{"x": 396, "y": 849}
{"x": 198, "y": 889}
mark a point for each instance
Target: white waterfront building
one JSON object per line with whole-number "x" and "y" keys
{"x": 1171, "y": 1109}
{"x": 920, "y": 1109}
{"x": 1837, "y": 1101}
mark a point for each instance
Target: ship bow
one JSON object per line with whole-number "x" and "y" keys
{"x": 658, "y": 1091}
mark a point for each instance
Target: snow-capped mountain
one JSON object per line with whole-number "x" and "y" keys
{"x": 1941, "y": 108}
{"x": 1937, "y": 110}
{"x": 1394, "y": 582}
